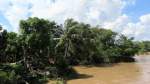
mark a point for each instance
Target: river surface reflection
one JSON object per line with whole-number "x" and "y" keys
{"x": 122, "y": 73}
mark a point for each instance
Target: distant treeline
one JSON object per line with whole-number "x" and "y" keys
{"x": 43, "y": 49}
{"x": 144, "y": 47}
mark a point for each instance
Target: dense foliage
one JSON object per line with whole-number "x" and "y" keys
{"x": 43, "y": 48}
{"x": 144, "y": 46}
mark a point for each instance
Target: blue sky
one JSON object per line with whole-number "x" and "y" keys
{"x": 129, "y": 17}
{"x": 141, "y": 7}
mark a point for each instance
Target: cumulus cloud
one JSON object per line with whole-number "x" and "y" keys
{"x": 118, "y": 24}
{"x": 14, "y": 11}
{"x": 89, "y": 11}
{"x": 106, "y": 13}
{"x": 123, "y": 24}
{"x": 140, "y": 30}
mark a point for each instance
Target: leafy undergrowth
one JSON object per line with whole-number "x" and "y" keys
{"x": 15, "y": 73}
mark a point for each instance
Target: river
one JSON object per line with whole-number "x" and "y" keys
{"x": 123, "y": 73}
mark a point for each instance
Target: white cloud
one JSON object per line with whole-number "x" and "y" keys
{"x": 145, "y": 19}
{"x": 15, "y": 14}
{"x": 89, "y": 11}
{"x": 140, "y": 30}
{"x": 4, "y": 5}
{"x": 118, "y": 24}
{"x": 106, "y": 13}
{"x": 14, "y": 11}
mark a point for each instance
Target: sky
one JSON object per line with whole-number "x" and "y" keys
{"x": 128, "y": 17}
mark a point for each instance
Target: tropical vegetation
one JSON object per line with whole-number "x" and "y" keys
{"x": 43, "y": 49}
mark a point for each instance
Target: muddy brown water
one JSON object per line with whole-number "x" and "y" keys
{"x": 122, "y": 73}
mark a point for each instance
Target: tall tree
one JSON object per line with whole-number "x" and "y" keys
{"x": 3, "y": 44}
{"x": 38, "y": 45}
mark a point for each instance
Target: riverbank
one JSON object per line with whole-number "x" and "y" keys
{"x": 143, "y": 54}
{"x": 120, "y": 73}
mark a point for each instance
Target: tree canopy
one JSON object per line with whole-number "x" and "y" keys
{"x": 43, "y": 46}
